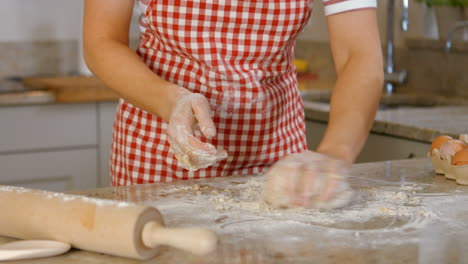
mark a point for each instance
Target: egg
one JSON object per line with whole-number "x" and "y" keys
{"x": 460, "y": 158}
{"x": 438, "y": 141}
{"x": 451, "y": 146}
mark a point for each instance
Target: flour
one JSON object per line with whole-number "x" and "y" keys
{"x": 400, "y": 203}
{"x": 248, "y": 199}
{"x": 373, "y": 208}
{"x": 378, "y": 215}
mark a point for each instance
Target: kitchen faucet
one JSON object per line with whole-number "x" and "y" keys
{"x": 393, "y": 78}
{"x": 455, "y": 27}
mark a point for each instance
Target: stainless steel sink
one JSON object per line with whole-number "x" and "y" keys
{"x": 392, "y": 101}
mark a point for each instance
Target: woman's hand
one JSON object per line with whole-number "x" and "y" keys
{"x": 106, "y": 26}
{"x": 308, "y": 179}
{"x": 191, "y": 109}
{"x": 318, "y": 179}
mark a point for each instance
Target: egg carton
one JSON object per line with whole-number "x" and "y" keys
{"x": 443, "y": 165}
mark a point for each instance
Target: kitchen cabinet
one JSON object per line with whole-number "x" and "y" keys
{"x": 377, "y": 148}
{"x": 57, "y": 146}
{"x": 106, "y": 117}
{"x": 52, "y": 147}
{"x": 51, "y": 170}
{"x": 54, "y": 126}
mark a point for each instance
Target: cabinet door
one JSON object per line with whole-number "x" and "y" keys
{"x": 314, "y": 133}
{"x": 106, "y": 121}
{"x": 377, "y": 148}
{"x": 381, "y": 147}
{"x": 54, "y": 126}
{"x": 54, "y": 170}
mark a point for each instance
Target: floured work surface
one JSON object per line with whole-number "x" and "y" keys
{"x": 402, "y": 212}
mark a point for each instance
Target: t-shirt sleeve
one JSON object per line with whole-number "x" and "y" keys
{"x": 340, "y": 6}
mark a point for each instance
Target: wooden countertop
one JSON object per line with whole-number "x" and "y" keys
{"x": 84, "y": 89}
{"x": 73, "y": 89}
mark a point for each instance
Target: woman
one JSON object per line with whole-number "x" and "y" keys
{"x": 212, "y": 91}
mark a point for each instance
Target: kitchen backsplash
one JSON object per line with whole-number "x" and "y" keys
{"x": 37, "y": 58}
{"x": 40, "y": 58}
{"x": 429, "y": 69}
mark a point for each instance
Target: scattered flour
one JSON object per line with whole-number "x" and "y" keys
{"x": 248, "y": 199}
{"x": 372, "y": 203}
{"x": 378, "y": 215}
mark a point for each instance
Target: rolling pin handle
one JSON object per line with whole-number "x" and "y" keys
{"x": 198, "y": 241}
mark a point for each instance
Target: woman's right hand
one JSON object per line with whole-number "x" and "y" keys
{"x": 189, "y": 110}
{"x": 308, "y": 179}
{"x": 106, "y": 35}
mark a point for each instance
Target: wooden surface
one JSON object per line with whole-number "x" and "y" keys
{"x": 114, "y": 228}
{"x": 81, "y": 89}
{"x": 73, "y": 89}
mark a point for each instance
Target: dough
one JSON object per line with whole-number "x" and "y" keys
{"x": 310, "y": 172}
{"x": 275, "y": 193}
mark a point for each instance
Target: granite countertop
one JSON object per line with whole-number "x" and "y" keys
{"x": 415, "y": 123}
{"x": 420, "y": 124}
{"x": 401, "y": 213}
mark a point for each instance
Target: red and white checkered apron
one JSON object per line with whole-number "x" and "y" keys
{"x": 238, "y": 54}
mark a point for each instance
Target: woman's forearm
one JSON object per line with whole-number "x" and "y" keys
{"x": 121, "y": 69}
{"x": 356, "y": 49}
{"x": 106, "y": 26}
{"x": 353, "y": 106}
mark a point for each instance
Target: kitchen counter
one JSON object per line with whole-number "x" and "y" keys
{"x": 421, "y": 124}
{"x": 401, "y": 213}
{"x": 416, "y": 123}
{"x": 73, "y": 89}
{"x": 54, "y": 90}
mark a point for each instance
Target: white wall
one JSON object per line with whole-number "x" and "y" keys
{"x": 422, "y": 22}
{"x": 25, "y": 20}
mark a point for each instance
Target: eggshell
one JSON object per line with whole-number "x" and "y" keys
{"x": 450, "y": 147}
{"x": 436, "y": 161}
{"x": 438, "y": 141}
{"x": 461, "y": 174}
{"x": 448, "y": 168}
{"x": 460, "y": 158}
{"x": 443, "y": 165}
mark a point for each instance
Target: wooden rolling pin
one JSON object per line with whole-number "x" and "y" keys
{"x": 112, "y": 227}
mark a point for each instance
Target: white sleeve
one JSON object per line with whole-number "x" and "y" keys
{"x": 340, "y": 6}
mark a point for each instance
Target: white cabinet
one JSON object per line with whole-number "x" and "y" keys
{"x": 51, "y": 147}
{"x": 106, "y": 114}
{"x": 47, "y": 127}
{"x": 50, "y": 170}
{"x": 377, "y": 148}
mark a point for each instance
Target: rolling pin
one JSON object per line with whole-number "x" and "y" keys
{"x": 112, "y": 227}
